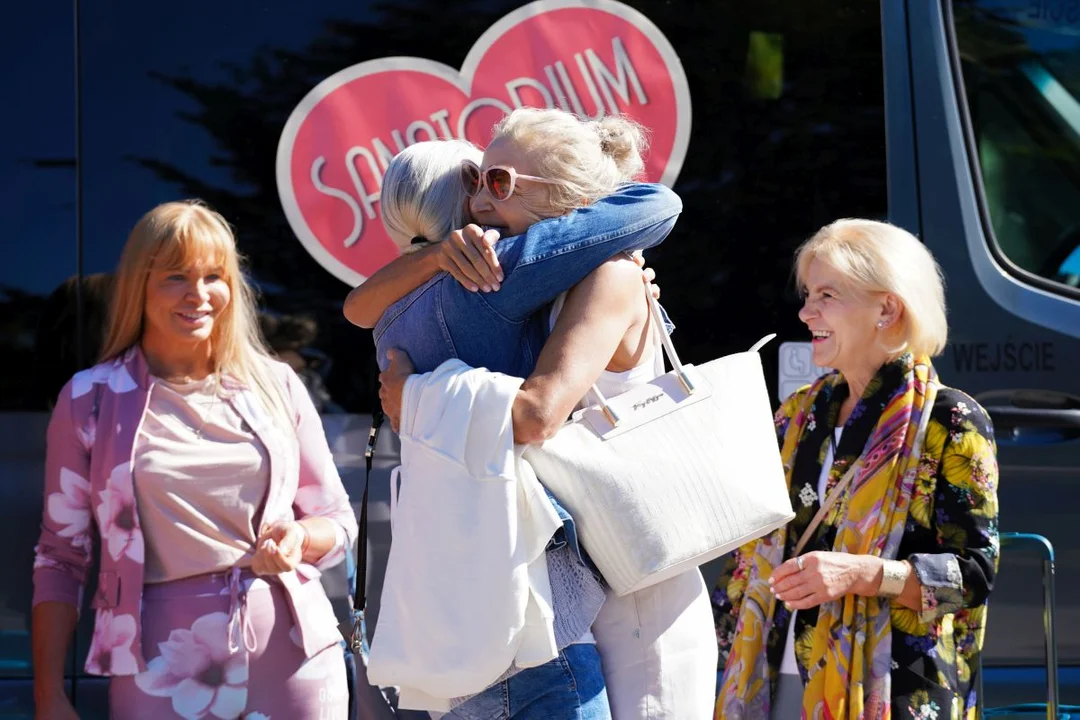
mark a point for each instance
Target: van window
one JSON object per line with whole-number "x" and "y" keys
{"x": 1022, "y": 78}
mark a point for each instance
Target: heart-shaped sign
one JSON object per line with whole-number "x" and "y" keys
{"x": 589, "y": 57}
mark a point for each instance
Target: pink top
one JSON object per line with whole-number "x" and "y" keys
{"x": 201, "y": 476}
{"x": 89, "y": 492}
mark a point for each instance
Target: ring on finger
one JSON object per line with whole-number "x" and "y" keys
{"x": 799, "y": 562}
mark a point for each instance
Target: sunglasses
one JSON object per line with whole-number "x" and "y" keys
{"x": 500, "y": 180}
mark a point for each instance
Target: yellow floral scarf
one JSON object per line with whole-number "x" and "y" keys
{"x": 851, "y": 654}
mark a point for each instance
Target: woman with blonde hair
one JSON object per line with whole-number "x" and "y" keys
{"x": 871, "y": 603}
{"x": 200, "y": 466}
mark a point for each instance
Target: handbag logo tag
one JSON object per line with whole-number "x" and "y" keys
{"x": 647, "y": 401}
{"x": 642, "y": 404}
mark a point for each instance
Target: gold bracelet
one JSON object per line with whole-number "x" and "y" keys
{"x": 894, "y": 575}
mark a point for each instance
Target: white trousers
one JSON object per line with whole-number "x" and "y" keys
{"x": 659, "y": 653}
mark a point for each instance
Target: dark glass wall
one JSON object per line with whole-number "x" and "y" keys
{"x": 37, "y": 204}
{"x": 37, "y": 309}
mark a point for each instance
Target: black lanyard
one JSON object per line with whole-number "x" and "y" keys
{"x": 360, "y": 595}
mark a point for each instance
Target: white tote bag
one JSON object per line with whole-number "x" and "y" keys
{"x": 672, "y": 473}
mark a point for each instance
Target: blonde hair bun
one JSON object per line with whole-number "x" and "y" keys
{"x": 624, "y": 141}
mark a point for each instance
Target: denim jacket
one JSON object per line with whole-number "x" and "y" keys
{"x": 503, "y": 331}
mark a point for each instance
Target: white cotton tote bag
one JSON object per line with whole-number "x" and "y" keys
{"x": 672, "y": 473}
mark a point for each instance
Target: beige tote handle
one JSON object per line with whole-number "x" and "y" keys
{"x": 672, "y": 356}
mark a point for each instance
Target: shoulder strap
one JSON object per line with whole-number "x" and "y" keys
{"x": 659, "y": 334}
{"x": 830, "y": 500}
{"x": 360, "y": 593}
{"x": 659, "y": 328}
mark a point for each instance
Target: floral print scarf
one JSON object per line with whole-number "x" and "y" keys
{"x": 850, "y": 655}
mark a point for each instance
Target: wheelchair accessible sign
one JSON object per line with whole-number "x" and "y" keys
{"x": 797, "y": 367}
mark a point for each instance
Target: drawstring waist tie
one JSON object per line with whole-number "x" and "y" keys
{"x": 240, "y": 628}
{"x": 236, "y": 582}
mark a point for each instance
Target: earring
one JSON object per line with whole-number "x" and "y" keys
{"x": 880, "y": 324}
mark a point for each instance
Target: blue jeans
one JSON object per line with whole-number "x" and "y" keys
{"x": 570, "y": 687}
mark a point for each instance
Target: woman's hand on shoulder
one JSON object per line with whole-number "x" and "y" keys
{"x": 825, "y": 576}
{"x": 648, "y": 275}
{"x": 469, "y": 256}
{"x": 392, "y": 385}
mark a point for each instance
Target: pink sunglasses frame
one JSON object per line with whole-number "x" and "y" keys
{"x": 482, "y": 173}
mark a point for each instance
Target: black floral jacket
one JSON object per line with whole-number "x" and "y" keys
{"x": 951, "y": 540}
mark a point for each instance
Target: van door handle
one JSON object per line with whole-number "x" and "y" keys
{"x": 1034, "y": 426}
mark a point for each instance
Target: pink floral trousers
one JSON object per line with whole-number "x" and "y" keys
{"x": 223, "y": 647}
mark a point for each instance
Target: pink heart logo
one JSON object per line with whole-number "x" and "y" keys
{"x": 589, "y": 57}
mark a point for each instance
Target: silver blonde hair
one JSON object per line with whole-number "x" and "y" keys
{"x": 422, "y": 196}
{"x": 879, "y": 257}
{"x": 590, "y": 159}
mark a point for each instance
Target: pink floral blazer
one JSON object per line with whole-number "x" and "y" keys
{"x": 88, "y": 489}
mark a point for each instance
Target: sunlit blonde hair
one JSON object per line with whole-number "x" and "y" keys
{"x": 183, "y": 234}
{"x": 879, "y": 257}
{"x": 589, "y": 158}
{"x": 422, "y": 195}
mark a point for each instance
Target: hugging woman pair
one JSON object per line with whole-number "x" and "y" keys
{"x": 559, "y": 192}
